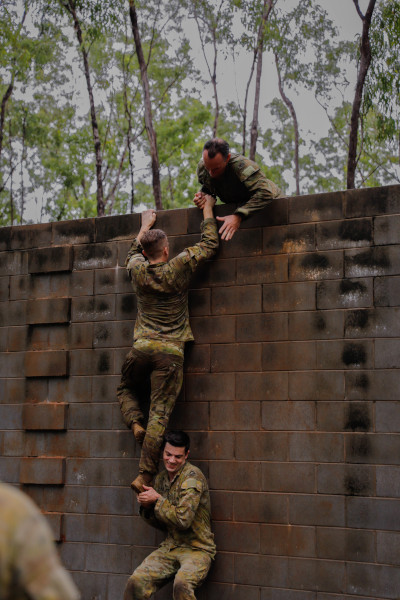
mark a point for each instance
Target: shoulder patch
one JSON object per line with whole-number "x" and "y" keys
{"x": 191, "y": 483}
{"x": 249, "y": 170}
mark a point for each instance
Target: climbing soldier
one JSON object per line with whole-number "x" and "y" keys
{"x": 161, "y": 330}
{"x": 179, "y": 504}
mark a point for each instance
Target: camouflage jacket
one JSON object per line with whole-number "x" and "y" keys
{"x": 242, "y": 183}
{"x": 184, "y": 510}
{"x": 161, "y": 288}
{"x": 29, "y": 563}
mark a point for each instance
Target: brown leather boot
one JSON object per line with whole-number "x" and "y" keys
{"x": 142, "y": 479}
{"x": 138, "y": 432}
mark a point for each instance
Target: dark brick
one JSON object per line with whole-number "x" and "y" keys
{"x": 358, "y": 416}
{"x": 236, "y": 357}
{"x": 260, "y": 507}
{"x": 12, "y": 313}
{"x": 346, "y": 293}
{"x": 47, "y": 260}
{"x": 387, "y": 354}
{"x": 387, "y": 291}
{"x": 386, "y": 230}
{"x": 81, "y": 335}
{"x": 46, "y": 364}
{"x": 234, "y": 416}
{"x": 80, "y": 231}
{"x": 89, "y": 416}
{"x": 376, "y": 261}
{"x": 13, "y": 263}
{"x": 288, "y": 540}
{"x": 106, "y": 281}
{"x": 49, "y": 415}
{"x": 373, "y": 513}
{"x": 372, "y": 385}
{"x": 81, "y": 283}
{"x": 5, "y": 238}
{"x": 73, "y": 389}
{"x": 99, "y": 308}
{"x": 246, "y": 242}
{"x": 254, "y": 569}
{"x": 345, "y": 355}
{"x": 91, "y": 585}
{"x": 388, "y": 482}
{"x": 215, "y": 386}
{"x": 318, "y": 575}
{"x": 30, "y": 236}
{"x": 215, "y": 273}
{"x": 197, "y": 358}
{"x": 185, "y": 414}
{"x": 235, "y": 475}
{"x": 380, "y": 581}
{"x": 347, "y": 480}
{"x": 315, "y": 266}
{"x": 388, "y": 547}
{"x": 262, "y": 386}
{"x": 221, "y": 505}
{"x": 334, "y": 543}
{"x": 10, "y": 416}
{"x": 379, "y": 322}
{"x": 372, "y": 201}
{"x": 213, "y": 330}
{"x": 110, "y": 501}
{"x": 314, "y": 325}
{"x": 236, "y": 300}
{"x": 288, "y": 416}
{"x": 55, "y": 520}
{"x": 112, "y": 335}
{"x": 199, "y": 302}
{"x": 220, "y": 445}
{"x": 56, "y": 498}
{"x": 288, "y": 297}
{"x": 261, "y": 445}
{"x": 378, "y": 448}
{"x": 316, "y": 447}
{"x": 262, "y": 269}
{"x": 283, "y": 477}
{"x": 285, "y": 594}
{"x": 9, "y": 469}
{"x": 316, "y": 385}
{"x": 262, "y": 327}
{"x": 17, "y": 339}
{"x": 275, "y": 213}
{"x": 18, "y": 287}
{"x": 56, "y": 310}
{"x": 5, "y": 287}
{"x": 237, "y": 537}
{"x": 317, "y": 510}
{"x": 387, "y": 415}
{"x": 95, "y": 256}
{"x": 131, "y": 530}
{"x": 288, "y": 240}
{"x": 12, "y": 364}
{"x": 72, "y": 556}
{"x": 42, "y": 470}
{"x": 317, "y": 207}
{"x": 104, "y": 387}
{"x": 344, "y": 234}
{"x": 287, "y": 356}
{"x": 125, "y": 306}
{"x": 118, "y": 227}
{"x": 173, "y": 222}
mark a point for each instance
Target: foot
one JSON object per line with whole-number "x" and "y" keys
{"x": 139, "y": 432}
{"x": 141, "y": 480}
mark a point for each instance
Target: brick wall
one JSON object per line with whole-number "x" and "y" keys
{"x": 291, "y": 395}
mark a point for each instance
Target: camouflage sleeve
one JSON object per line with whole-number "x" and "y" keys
{"x": 149, "y": 517}
{"x": 181, "y": 515}
{"x": 40, "y": 572}
{"x": 187, "y": 261}
{"x": 262, "y": 191}
{"x": 134, "y": 255}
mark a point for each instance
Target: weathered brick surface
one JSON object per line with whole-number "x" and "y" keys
{"x": 290, "y": 395}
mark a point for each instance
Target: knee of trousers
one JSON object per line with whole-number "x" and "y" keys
{"x": 183, "y": 589}
{"x": 136, "y": 589}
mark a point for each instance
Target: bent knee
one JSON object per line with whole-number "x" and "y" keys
{"x": 183, "y": 589}
{"x": 135, "y": 589}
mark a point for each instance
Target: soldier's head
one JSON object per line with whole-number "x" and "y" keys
{"x": 155, "y": 245}
{"x": 216, "y": 155}
{"x": 175, "y": 451}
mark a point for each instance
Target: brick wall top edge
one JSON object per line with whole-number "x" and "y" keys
{"x": 175, "y": 221}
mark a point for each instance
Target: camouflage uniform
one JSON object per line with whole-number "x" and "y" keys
{"x": 29, "y": 564}
{"x": 242, "y": 183}
{"x": 161, "y": 330}
{"x": 184, "y": 513}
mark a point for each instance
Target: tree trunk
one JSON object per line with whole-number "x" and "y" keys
{"x": 365, "y": 60}
{"x": 292, "y": 111}
{"x": 148, "y": 119}
{"x": 4, "y": 101}
{"x": 214, "y": 84}
{"x": 267, "y": 7}
{"x": 70, "y": 6}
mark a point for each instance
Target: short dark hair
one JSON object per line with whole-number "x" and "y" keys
{"x": 217, "y": 146}
{"x": 179, "y": 439}
{"x": 153, "y": 242}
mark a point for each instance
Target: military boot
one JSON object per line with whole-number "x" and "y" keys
{"x": 141, "y": 480}
{"x": 138, "y": 432}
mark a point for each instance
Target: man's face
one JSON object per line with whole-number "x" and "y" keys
{"x": 215, "y": 166}
{"x": 174, "y": 457}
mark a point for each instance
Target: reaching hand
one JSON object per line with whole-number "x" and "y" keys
{"x": 148, "y": 218}
{"x": 199, "y": 199}
{"x": 231, "y": 224}
{"x": 149, "y": 496}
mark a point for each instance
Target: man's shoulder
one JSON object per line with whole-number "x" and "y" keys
{"x": 192, "y": 472}
{"x": 242, "y": 166}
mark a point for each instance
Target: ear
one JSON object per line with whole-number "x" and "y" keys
{"x": 228, "y": 157}
{"x": 144, "y": 253}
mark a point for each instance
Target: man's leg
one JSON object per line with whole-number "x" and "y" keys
{"x": 166, "y": 383}
{"x": 133, "y": 372}
{"x": 194, "y": 566}
{"x": 154, "y": 572}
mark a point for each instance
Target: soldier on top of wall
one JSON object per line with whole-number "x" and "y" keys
{"x": 161, "y": 330}
{"x": 179, "y": 504}
{"x": 235, "y": 179}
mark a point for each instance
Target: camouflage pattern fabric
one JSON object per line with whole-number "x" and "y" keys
{"x": 161, "y": 288}
{"x": 160, "y": 362}
{"x": 184, "y": 510}
{"x": 184, "y": 513}
{"x": 242, "y": 183}
{"x": 191, "y": 568}
{"x": 29, "y": 563}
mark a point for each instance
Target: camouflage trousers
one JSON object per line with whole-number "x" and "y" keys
{"x": 190, "y": 568}
{"x": 159, "y": 365}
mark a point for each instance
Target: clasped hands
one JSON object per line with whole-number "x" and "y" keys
{"x": 230, "y": 223}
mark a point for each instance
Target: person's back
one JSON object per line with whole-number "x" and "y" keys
{"x": 29, "y": 564}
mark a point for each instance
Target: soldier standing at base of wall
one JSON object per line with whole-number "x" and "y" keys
{"x": 179, "y": 504}
{"x": 235, "y": 179}
{"x": 29, "y": 563}
{"x": 161, "y": 330}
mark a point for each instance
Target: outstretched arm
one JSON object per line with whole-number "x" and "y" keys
{"x": 148, "y": 220}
